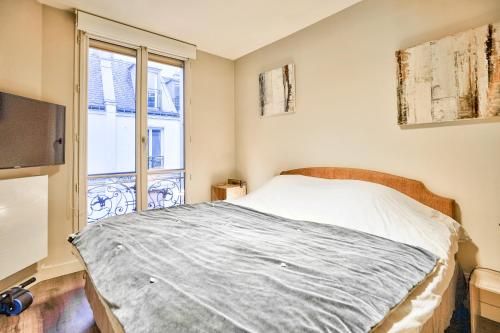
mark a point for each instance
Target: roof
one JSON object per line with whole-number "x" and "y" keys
{"x": 124, "y": 88}
{"x": 95, "y": 93}
{"x": 123, "y": 73}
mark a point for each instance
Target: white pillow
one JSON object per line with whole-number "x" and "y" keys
{"x": 359, "y": 205}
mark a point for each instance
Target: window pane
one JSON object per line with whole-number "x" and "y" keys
{"x": 110, "y": 196}
{"x": 152, "y": 99}
{"x": 110, "y": 134}
{"x": 156, "y": 142}
{"x": 165, "y": 116}
{"x": 111, "y": 112}
{"x": 165, "y": 190}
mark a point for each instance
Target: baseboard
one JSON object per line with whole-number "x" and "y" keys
{"x": 18, "y": 277}
{"x": 42, "y": 272}
{"x": 46, "y": 272}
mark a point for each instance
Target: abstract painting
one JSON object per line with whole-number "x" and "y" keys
{"x": 454, "y": 78}
{"x": 277, "y": 91}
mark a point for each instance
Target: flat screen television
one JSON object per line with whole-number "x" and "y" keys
{"x": 31, "y": 132}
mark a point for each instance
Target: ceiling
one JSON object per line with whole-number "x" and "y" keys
{"x": 228, "y": 28}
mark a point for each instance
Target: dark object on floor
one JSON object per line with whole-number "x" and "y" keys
{"x": 460, "y": 322}
{"x": 60, "y": 305}
{"x": 16, "y": 299}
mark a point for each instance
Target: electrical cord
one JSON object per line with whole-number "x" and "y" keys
{"x": 472, "y": 271}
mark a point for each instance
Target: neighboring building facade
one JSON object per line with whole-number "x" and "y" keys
{"x": 111, "y": 116}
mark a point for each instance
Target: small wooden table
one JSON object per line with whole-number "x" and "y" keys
{"x": 484, "y": 291}
{"x": 228, "y": 191}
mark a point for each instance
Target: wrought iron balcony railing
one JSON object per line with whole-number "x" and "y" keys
{"x": 165, "y": 190}
{"x": 110, "y": 196}
{"x": 155, "y": 162}
{"x": 116, "y": 195}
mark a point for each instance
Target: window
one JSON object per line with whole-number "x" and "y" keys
{"x": 128, "y": 171}
{"x": 156, "y": 156}
{"x": 177, "y": 100}
{"x": 153, "y": 98}
{"x": 166, "y": 134}
{"x": 111, "y": 149}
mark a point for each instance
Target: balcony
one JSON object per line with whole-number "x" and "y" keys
{"x": 165, "y": 190}
{"x": 110, "y": 196}
{"x": 155, "y": 162}
{"x": 116, "y": 195}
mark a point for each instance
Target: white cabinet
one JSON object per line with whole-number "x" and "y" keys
{"x": 23, "y": 223}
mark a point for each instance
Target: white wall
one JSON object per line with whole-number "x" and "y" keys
{"x": 346, "y": 111}
{"x": 111, "y": 141}
{"x": 210, "y": 148}
{"x": 21, "y": 48}
{"x": 36, "y": 61}
{"x": 172, "y": 134}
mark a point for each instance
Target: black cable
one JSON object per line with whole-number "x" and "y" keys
{"x": 472, "y": 271}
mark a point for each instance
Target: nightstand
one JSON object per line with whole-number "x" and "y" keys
{"x": 230, "y": 190}
{"x": 484, "y": 294}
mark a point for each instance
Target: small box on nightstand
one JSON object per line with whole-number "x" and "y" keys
{"x": 230, "y": 190}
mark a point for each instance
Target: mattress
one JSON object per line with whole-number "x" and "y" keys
{"x": 438, "y": 322}
{"x": 400, "y": 218}
{"x": 220, "y": 267}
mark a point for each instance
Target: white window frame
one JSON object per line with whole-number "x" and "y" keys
{"x": 83, "y": 42}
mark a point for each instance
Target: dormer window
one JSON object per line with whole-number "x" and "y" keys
{"x": 153, "y": 98}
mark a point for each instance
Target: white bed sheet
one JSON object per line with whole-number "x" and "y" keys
{"x": 375, "y": 209}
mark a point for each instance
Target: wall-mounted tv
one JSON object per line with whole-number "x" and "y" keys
{"x": 31, "y": 132}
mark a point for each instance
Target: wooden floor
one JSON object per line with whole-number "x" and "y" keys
{"x": 60, "y": 306}
{"x": 487, "y": 326}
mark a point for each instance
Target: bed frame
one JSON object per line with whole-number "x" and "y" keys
{"x": 412, "y": 188}
{"x": 108, "y": 323}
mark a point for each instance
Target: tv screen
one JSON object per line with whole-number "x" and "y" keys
{"x": 31, "y": 132}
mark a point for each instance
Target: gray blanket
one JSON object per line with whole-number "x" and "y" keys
{"x": 218, "y": 267}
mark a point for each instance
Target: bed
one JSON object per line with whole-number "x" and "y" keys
{"x": 306, "y": 195}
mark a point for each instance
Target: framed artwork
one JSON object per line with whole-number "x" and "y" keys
{"x": 454, "y": 78}
{"x": 277, "y": 91}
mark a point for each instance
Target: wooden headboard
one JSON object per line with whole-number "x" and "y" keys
{"x": 410, "y": 187}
